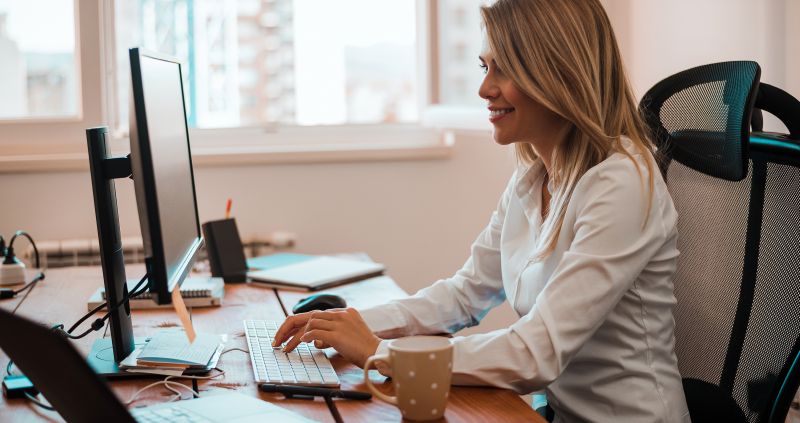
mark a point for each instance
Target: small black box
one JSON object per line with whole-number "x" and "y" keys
{"x": 225, "y": 251}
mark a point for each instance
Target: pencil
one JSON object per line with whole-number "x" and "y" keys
{"x": 228, "y": 209}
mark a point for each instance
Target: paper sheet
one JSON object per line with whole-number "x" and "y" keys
{"x": 183, "y": 314}
{"x": 154, "y": 371}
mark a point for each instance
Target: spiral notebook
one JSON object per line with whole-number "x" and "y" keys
{"x": 196, "y": 292}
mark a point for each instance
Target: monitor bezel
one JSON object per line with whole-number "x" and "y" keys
{"x": 145, "y": 184}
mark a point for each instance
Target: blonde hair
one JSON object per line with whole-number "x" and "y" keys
{"x": 563, "y": 54}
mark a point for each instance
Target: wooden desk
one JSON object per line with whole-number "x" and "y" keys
{"x": 61, "y": 298}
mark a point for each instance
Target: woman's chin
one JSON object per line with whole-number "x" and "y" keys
{"x": 500, "y": 139}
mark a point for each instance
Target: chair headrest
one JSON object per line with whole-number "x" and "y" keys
{"x": 701, "y": 117}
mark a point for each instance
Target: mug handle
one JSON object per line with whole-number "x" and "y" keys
{"x": 386, "y": 359}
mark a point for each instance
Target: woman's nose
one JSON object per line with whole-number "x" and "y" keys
{"x": 488, "y": 89}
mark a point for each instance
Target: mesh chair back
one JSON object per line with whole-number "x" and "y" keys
{"x": 738, "y": 278}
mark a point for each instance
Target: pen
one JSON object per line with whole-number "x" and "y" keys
{"x": 228, "y": 209}
{"x": 311, "y": 391}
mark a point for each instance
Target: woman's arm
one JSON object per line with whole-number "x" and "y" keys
{"x": 446, "y": 306}
{"x": 454, "y": 303}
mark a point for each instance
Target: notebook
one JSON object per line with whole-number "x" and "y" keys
{"x": 171, "y": 348}
{"x": 197, "y": 291}
{"x": 312, "y": 272}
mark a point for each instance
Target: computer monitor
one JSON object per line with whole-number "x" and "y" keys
{"x": 160, "y": 164}
{"x": 163, "y": 178}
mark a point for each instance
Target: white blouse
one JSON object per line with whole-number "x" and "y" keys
{"x": 595, "y": 326}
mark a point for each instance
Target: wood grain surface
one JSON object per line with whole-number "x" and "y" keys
{"x": 62, "y": 296}
{"x": 465, "y": 404}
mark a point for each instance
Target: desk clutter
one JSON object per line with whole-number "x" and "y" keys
{"x": 170, "y": 353}
{"x": 86, "y": 397}
{"x": 282, "y": 270}
{"x": 197, "y": 291}
{"x": 72, "y": 286}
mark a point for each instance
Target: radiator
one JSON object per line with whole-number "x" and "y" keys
{"x": 86, "y": 252}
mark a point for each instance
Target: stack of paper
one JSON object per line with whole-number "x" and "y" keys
{"x": 169, "y": 352}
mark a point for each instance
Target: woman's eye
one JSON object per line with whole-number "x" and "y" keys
{"x": 484, "y": 67}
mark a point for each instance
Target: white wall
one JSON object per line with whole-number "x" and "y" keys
{"x": 669, "y": 36}
{"x": 417, "y": 217}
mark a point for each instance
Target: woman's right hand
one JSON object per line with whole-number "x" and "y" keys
{"x": 292, "y": 329}
{"x": 342, "y": 329}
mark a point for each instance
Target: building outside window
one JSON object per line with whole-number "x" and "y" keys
{"x": 38, "y": 72}
{"x": 266, "y": 62}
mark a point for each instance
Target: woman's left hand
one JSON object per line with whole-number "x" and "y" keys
{"x": 342, "y": 329}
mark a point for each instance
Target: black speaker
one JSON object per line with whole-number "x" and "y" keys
{"x": 225, "y": 251}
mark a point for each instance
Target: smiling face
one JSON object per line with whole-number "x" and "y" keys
{"x": 515, "y": 116}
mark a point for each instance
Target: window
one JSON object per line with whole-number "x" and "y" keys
{"x": 265, "y": 80}
{"x": 460, "y": 43}
{"x": 456, "y": 43}
{"x": 268, "y": 62}
{"x": 38, "y": 69}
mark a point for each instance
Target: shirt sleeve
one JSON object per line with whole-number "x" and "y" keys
{"x": 451, "y": 304}
{"x": 611, "y": 246}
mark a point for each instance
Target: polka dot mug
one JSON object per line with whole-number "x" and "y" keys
{"x": 421, "y": 370}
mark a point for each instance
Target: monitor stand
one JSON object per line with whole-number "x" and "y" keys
{"x": 104, "y": 169}
{"x": 101, "y": 360}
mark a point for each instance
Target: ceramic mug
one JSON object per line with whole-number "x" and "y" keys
{"x": 421, "y": 370}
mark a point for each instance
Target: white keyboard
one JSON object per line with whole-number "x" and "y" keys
{"x": 305, "y": 365}
{"x": 167, "y": 415}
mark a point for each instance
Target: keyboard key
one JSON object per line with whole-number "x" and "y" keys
{"x": 305, "y": 365}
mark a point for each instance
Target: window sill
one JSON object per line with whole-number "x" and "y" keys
{"x": 293, "y": 145}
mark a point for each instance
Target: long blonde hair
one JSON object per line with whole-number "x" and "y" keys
{"x": 563, "y": 54}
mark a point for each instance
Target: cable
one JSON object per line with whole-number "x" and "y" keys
{"x": 27, "y": 292}
{"x": 25, "y": 234}
{"x": 100, "y": 322}
{"x": 6, "y": 293}
{"x": 170, "y": 383}
{"x": 31, "y": 284}
{"x": 234, "y": 349}
{"x": 167, "y": 384}
{"x": 36, "y": 401}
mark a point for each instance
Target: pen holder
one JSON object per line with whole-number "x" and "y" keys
{"x": 225, "y": 250}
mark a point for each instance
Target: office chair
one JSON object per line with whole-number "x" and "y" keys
{"x": 737, "y": 192}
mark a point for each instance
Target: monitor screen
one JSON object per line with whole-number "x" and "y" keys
{"x": 162, "y": 171}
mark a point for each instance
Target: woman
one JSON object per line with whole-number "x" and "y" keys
{"x": 582, "y": 244}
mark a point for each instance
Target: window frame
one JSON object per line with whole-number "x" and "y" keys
{"x": 41, "y": 144}
{"x": 39, "y": 134}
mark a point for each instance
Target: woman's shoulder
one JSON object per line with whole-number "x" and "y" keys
{"x": 620, "y": 165}
{"x": 623, "y": 174}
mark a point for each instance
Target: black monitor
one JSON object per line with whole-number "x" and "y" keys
{"x": 160, "y": 164}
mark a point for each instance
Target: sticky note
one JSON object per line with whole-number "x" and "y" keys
{"x": 183, "y": 314}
